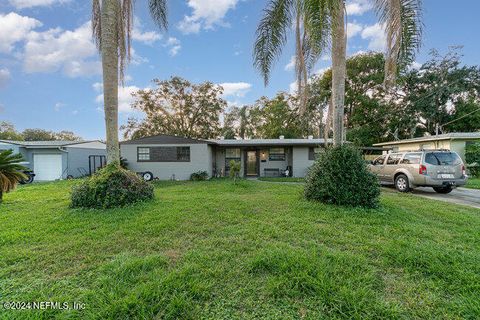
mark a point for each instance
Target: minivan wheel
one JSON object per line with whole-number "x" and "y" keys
{"x": 401, "y": 183}
{"x": 443, "y": 190}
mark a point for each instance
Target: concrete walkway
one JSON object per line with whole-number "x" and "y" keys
{"x": 463, "y": 196}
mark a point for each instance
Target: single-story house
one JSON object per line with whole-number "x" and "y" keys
{"x": 172, "y": 157}
{"x": 456, "y": 141}
{"x": 52, "y": 160}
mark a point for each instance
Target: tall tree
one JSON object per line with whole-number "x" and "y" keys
{"x": 326, "y": 18}
{"x": 112, "y": 22}
{"x": 8, "y": 131}
{"x": 38, "y": 135}
{"x": 271, "y": 37}
{"x": 178, "y": 107}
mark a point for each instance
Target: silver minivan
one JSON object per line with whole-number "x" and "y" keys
{"x": 441, "y": 169}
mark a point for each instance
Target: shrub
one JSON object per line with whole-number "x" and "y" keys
{"x": 199, "y": 176}
{"x": 235, "y": 167}
{"x": 472, "y": 157}
{"x": 340, "y": 176}
{"x": 10, "y": 171}
{"x": 111, "y": 187}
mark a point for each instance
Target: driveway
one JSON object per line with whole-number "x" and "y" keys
{"x": 463, "y": 196}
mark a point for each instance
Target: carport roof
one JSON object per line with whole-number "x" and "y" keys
{"x": 446, "y": 136}
{"x": 44, "y": 144}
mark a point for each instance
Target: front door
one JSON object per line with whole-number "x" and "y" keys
{"x": 251, "y": 168}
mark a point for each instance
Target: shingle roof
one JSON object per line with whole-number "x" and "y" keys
{"x": 165, "y": 139}
{"x": 271, "y": 142}
{"x": 446, "y": 136}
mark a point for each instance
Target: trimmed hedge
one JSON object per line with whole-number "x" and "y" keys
{"x": 111, "y": 187}
{"x": 340, "y": 176}
{"x": 199, "y": 176}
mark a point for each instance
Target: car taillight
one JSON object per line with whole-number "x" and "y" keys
{"x": 463, "y": 171}
{"x": 422, "y": 169}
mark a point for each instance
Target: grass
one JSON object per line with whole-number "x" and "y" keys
{"x": 473, "y": 183}
{"x": 281, "y": 179}
{"x": 213, "y": 250}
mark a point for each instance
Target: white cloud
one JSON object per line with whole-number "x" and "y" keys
{"x": 325, "y": 57}
{"x": 415, "y": 65}
{"x": 376, "y": 36}
{"x": 353, "y": 29}
{"x": 206, "y": 14}
{"x": 58, "y": 106}
{"x": 359, "y": 52}
{"x": 72, "y": 52}
{"x": 174, "y": 46}
{"x": 291, "y": 65}
{"x": 125, "y": 98}
{"x": 147, "y": 37}
{"x": 237, "y": 89}
{"x": 97, "y": 86}
{"x": 22, "y": 4}
{"x": 358, "y": 7}
{"x": 15, "y": 28}
{"x": 4, "y": 77}
{"x": 293, "y": 87}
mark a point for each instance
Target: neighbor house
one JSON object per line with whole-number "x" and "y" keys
{"x": 456, "y": 141}
{"x": 53, "y": 160}
{"x": 172, "y": 157}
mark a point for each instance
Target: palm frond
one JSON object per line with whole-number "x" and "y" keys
{"x": 10, "y": 170}
{"x": 158, "y": 11}
{"x": 403, "y": 26}
{"x": 318, "y": 17}
{"x": 271, "y": 35}
{"x": 97, "y": 23}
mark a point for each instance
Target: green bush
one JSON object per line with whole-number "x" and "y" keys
{"x": 199, "y": 176}
{"x": 111, "y": 187}
{"x": 472, "y": 157}
{"x": 340, "y": 176}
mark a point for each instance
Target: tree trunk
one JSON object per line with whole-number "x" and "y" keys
{"x": 338, "y": 73}
{"x": 109, "y": 47}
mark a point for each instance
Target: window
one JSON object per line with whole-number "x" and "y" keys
{"x": 183, "y": 154}
{"x": 393, "y": 159}
{"x": 412, "y": 158}
{"x": 143, "y": 154}
{"x": 314, "y": 152}
{"x": 276, "y": 154}
{"x": 379, "y": 161}
{"x": 442, "y": 158}
{"x": 231, "y": 154}
{"x": 163, "y": 154}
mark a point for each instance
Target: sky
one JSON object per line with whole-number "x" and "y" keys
{"x": 50, "y": 70}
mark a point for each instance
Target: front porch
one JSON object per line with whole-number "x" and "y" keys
{"x": 275, "y": 161}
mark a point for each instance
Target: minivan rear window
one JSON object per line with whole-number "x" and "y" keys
{"x": 442, "y": 158}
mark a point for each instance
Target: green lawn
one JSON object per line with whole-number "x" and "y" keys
{"x": 252, "y": 250}
{"x": 473, "y": 183}
{"x": 281, "y": 179}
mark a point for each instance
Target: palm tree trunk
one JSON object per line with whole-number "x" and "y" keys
{"x": 109, "y": 46}
{"x": 338, "y": 73}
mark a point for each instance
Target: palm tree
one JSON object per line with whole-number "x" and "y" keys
{"x": 112, "y": 22}
{"x": 324, "y": 19}
{"x": 10, "y": 171}
{"x": 271, "y": 37}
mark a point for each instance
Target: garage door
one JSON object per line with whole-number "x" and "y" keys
{"x": 47, "y": 167}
